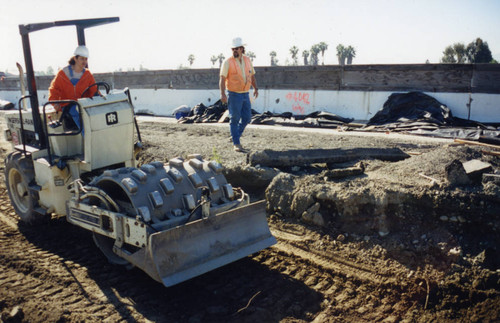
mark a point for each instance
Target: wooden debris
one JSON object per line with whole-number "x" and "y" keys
{"x": 433, "y": 180}
{"x": 468, "y": 142}
{"x": 492, "y": 153}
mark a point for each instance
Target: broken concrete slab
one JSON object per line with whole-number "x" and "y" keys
{"x": 332, "y": 174}
{"x": 476, "y": 168}
{"x": 303, "y": 157}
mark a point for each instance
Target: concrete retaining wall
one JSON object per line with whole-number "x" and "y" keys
{"x": 355, "y": 91}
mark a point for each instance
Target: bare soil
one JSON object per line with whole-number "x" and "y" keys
{"x": 396, "y": 243}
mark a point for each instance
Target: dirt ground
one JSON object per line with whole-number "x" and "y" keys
{"x": 395, "y": 243}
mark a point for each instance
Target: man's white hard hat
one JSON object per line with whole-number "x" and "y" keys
{"x": 82, "y": 51}
{"x": 237, "y": 42}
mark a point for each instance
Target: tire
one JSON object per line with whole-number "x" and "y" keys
{"x": 19, "y": 174}
{"x": 104, "y": 243}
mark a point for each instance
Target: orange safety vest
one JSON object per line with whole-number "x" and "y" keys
{"x": 234, "y": 80}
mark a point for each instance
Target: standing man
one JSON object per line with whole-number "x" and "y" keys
{"x": 237, "y": 75}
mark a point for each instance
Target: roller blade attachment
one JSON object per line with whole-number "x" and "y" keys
{"x": 187, "y": 251}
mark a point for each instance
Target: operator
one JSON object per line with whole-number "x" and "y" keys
{"x": 237, "y": 75}
{"x": 70, "y": 83}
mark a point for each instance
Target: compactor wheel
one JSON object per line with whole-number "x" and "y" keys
{"x": 104, "y": 243}
{"x": 19, "y": 173}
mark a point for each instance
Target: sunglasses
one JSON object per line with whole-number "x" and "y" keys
{"x": 236, "y": 48}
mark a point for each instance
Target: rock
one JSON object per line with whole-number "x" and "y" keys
{"x": 279, "y": 194}
{"x": 312, "y": 215}
{"x": 318, "y": 219}
{"x": 454, "y": 253}
{"x": 341, "y": 238}
{"x": 493, "y": 178}
{"x": 16, "y": 315}
{"x": 383, "y": 233}
{"x": 476, "y": 168}
{"x": 301, "y": 201}
{"x": 314, "y": 208}
{"x": 456, "y": 175}
{"x": 383, "y": 226}
{"x": 488, "y": 258}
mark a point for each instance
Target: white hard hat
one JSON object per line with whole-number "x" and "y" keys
{"x": 82, "y": 51}
{"x": 237, "y": 42}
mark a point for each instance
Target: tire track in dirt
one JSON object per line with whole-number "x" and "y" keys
{"x": 30, "y": 270}
{"x": 48, "y": 268}
{"x": 55, "y": 271}
{"x": 58, "y": 266}
{"x": 292, "y": 244}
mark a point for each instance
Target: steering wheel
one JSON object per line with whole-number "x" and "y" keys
{"x": 106, "y": 86}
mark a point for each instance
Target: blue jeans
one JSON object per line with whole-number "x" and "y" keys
{"x": 75, "y": 116}
{"x": 240, "y": 114}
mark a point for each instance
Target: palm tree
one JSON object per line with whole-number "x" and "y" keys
{"x": 191, "y": 59}
{"x": 213, "y": 59}
{"x": 314, "y": 54}
{"x": 305, "y": 54}
{"x": 341, "y": 54}
{"x": 294, "y": 51}
{"x": 221, "y": 59}
{"x": 274, "y": 61}
{"x": 322, "y": 47}
{"x": 251, "y": 55}
{"x": 350, "y": 53}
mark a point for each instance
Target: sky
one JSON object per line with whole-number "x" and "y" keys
{"x": 161, "y": 34}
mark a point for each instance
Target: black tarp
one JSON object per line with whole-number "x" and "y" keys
{"x": 202, "y": 113}
{"x": 419, "y": 113}
{"x": 412, "y": 112}
{"x": 412, "y": 106}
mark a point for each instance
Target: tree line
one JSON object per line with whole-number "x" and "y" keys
{"x": 345, "y": 55}
{"x": 476, "y": 52}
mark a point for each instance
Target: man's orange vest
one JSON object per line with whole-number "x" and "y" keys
{"x": 234, "y": 80}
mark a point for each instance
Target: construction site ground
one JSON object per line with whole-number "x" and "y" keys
{"x": 393, "y": 242}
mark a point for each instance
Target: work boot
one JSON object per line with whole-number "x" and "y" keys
{"x": 240, "y": 149}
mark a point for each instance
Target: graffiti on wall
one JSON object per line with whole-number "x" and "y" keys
{"x": 299, "y": 101}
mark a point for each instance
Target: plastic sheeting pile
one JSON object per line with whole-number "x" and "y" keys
{"x": 419, "y": 113}
{"x": 412, "y": 112}
{"x": 213, "y": 113}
